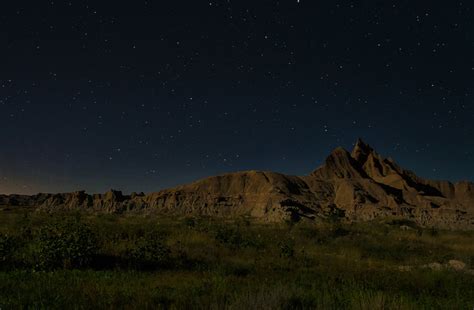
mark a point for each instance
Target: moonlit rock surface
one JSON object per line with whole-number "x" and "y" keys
{"x": 357, "y": 186}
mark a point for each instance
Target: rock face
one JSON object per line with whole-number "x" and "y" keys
{"x": 358, "y": 186}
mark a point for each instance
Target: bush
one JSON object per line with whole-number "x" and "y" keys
{"x": 190, "y": 222}
{"x": 287, "y": 248}
{"x": 229, "y": 236}
{"x": 68, "y": 245}
{"x": 434, "y": 232}
{"x": 7, "y": 248}
{"x": 235, "y": 239}
{"x": 149, "y": 252}
{"x": 339, "y": 232}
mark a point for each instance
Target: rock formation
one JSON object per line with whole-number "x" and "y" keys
{"x": 357, "y": 186}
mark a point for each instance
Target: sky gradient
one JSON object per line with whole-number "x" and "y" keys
{"x": 141, "y": 97}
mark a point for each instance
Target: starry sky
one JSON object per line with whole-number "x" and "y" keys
{"x": 144, "y": 95}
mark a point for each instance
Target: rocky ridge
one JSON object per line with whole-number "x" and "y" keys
{"x": 357, "y": 186}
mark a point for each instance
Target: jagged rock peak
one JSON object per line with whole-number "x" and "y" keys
{"x": 339, "y": 164}
{"x": 361, "y": 151}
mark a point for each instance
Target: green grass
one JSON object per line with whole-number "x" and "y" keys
{"x": 150, "y": 262}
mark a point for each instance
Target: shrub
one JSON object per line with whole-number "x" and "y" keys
{"x": 229, "y": 236}
{"x": 340, "y": 232}
{"x": 190, "y": 222}
{"x": 434, "y": 232}
{"x": 335, "y": 214}
{"x": 149, "y": 252}
{"x": 235, "y": 239}
{"x": 287, "y": 248}
{"x": 68, "y": 245}
{"x": 7, "y": 248}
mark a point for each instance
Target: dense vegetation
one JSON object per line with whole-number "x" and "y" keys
{"x": 115, "y": 261}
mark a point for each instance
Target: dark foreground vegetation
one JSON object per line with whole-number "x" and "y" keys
{"x": 117, "y": 261}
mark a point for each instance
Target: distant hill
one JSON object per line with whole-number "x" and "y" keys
{"x": 357, "y": 186}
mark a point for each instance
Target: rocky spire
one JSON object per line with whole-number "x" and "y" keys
{"x": 361, "y": 151}
{"x": 339, "y": 164}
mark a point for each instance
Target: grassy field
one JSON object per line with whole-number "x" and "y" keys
{"x": 122, "y": 261}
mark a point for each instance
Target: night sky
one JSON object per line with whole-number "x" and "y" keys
{"x": 143, "y": 95}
